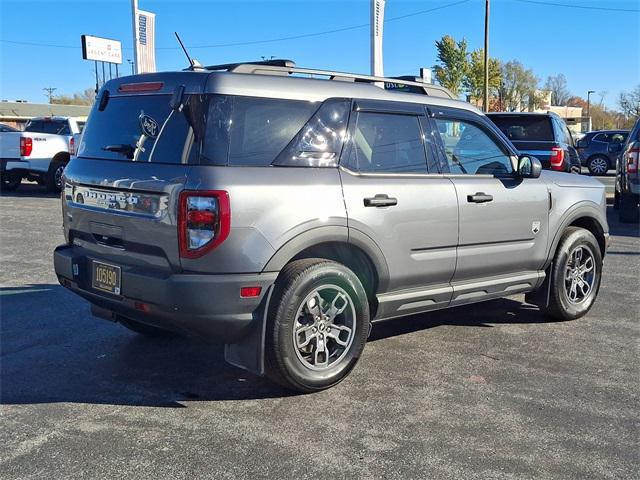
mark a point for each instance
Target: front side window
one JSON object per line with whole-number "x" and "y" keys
{"x": 469, "y": 150}
{"x": 384, "y": 143}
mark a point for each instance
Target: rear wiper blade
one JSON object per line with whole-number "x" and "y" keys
{"x": 128, "y": 150}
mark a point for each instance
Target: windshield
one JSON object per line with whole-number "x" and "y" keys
{"x": 144, "y": 128}
{"x": 524, "y": 127}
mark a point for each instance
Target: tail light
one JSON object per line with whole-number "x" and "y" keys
{"x": 26, "y": 146}
{"x": 72, "y": 146}
{"x": 204, "y": 221}
{"x": 633, "y": 155}
{"x": 557, "y": 158}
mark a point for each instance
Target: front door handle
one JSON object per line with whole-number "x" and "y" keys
{"x": 479, "y": 197}
{"x": 380, "y": 200}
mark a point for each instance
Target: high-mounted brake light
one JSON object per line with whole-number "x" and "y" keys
{"x": 72, "y": 146}
{"x": 557, "y": 158}
{"x": 141, "y": 87}
{"x": 26, "y": 146}
{"x": 633, "y": 158}
{"x": 204, "y": 221}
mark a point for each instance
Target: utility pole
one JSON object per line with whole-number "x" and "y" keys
{"x": 589, "y": 106}
{"x": 485, "y": 103}
{"x": 49, "y": 92}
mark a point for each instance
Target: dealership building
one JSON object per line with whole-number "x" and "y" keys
{"x": 16, "y": 114}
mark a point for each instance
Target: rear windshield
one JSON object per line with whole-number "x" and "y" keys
{"x": 56, "y": 127}
{"x": 209, "y": 129}
{"x": 524, "y": 127}
{"x": 144, "y": 128}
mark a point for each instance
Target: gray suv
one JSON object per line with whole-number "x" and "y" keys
{"x": 284, "y": 214}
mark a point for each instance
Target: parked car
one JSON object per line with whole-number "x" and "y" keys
{"x": 39, "y": 153}
{"x": 598, "y": 150}
{"x": 542, "y": 135}
{"x": 6, "y": 128}
{"x": 283, "y": 215}
{"x": 627, "y": 193}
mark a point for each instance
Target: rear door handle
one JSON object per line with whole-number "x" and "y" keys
{"x": 479, "y": 197}
{"x": 380, "y": 200}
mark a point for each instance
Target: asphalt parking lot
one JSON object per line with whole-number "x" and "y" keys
{"x": 486, "y": 391}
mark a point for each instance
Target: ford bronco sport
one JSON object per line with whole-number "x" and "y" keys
{"x": 284, "y": 214}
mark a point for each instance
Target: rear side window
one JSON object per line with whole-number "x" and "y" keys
{"x": 384, "y": 142}
{"x": 524, "y": 127}
{"x": 144, "y": 128}
{"x": 55, "y": 127}
{"x": 250, "y": 131}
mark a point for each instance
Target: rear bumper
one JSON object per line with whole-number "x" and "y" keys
{"x": 205, "y": 306}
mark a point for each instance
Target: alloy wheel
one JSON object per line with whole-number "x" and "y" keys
{"x": 580, "y": 274}
{"x": 598, "y": 166}
{"x": 324, "y": 328}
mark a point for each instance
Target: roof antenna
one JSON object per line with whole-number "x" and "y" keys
{"x": 194, "y": 64}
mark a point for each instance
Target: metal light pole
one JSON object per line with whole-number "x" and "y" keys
{"x": 131, "y": 63}
{"x": 589, "y": 106}
{"x": 485, "y": 103}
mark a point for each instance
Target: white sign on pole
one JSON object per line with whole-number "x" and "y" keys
{"x": 101, "y": 49}
{"x": 145, "y": 31}
{"x": 377, "y": 23}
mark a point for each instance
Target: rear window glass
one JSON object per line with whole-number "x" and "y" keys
{"x": 524, "y": 127}
{"x": 56, "y": 127}
{"x": 250, "y": 131}
{"x": 144, "y": 128}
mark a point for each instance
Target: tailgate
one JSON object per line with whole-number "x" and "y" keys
{"x": 124, "y": 212}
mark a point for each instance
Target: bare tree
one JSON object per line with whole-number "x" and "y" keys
{"x": 85, "y": 97}
{"x": 629, "y": 103}
{"x": 557, "y": 85}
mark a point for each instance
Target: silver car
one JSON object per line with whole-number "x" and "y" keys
{"x": 284, "y": 210}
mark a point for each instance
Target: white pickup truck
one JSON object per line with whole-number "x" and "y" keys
{"x": 38, "y": 153}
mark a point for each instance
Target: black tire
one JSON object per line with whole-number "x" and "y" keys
{"x": 143, "y": 329}
{"x": 561, "y": 307}
{"x": 596, "y": 163}
{"x": 53, "y": 179}
{"x": 10, "y": 180}
{"x": 629, "y": 210}
{"x": 283, "y": 360}
{"x": 616, "y": 200}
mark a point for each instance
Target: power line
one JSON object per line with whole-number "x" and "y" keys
{"x": 270, "y": 40}
{"x": 583, "y": 7}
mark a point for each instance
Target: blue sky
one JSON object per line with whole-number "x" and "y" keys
{"x": 595, "y": 49}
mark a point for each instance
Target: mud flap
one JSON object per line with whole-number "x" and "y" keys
{"x": 542, "y": 294}
{"x": 248, "y": 353}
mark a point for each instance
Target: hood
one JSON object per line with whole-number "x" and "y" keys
{"x": 563, "y": 179}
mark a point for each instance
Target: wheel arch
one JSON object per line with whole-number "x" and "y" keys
{"x": 62, "y": 157}
{"x": 355, "y": 250}
{"x": 586, "y": 216}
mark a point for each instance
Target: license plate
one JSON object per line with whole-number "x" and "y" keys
{"x": 106, "y": 277}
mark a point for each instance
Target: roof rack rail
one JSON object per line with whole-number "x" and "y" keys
{"x": 288, "y": 67}
{"x": 275, "y": 62}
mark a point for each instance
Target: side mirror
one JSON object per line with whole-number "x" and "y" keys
{"x": 176, "y": 99}
{"x": 529, "y": 167}
{"x": 582, "y": 143}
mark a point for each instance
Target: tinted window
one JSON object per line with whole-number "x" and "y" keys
{"x": 249, "y": 131}
{"x": 470, "y": 150}
{"x": 601, "y": 137}
{"x": 56, "y": 127}
{"x": 384, "y": 142}
{"x": 562, "y": 132}
{"x": 524, "y": 127}
{"x": 144, "y": 128}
